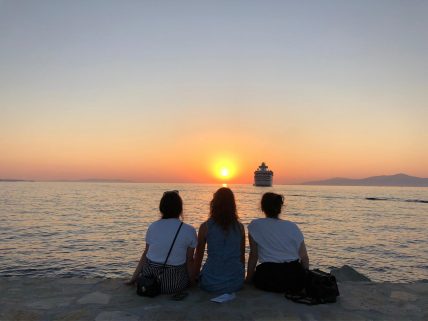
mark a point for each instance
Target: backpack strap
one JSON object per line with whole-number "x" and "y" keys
{"x": 172, "y": 245}
{"x": 301, "y": 299}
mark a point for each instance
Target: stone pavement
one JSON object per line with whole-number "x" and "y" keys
{"x": 31, "y": 299}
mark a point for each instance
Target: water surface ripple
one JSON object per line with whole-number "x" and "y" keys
{"x": 98, "y": 229}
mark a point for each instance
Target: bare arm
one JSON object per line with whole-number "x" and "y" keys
{"x": 252, "y": 259}
{"x": 303, "y": 254}
{"x": 140, "y": 265}
{"x": 190, "y": 263}
{"x": 242, "y": 243}
{"x": 200, "y": 249}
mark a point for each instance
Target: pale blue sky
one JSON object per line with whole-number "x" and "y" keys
{"x": 293, "y": 72}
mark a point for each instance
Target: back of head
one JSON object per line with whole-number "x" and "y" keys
{"x": 272, "y": 204}
{"x": 171, "y": 205}
{"x": 223, "y": 208}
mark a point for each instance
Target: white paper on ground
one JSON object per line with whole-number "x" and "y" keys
{"x": 224, "y": 298}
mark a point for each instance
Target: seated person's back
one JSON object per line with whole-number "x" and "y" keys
{"x": 223, "y": 271}
{"x": 278, "y": 245}
{"x": 277, "y": 240}
{"x": 175, "y": 275}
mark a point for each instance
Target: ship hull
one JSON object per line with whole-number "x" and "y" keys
{"x": 263, "y": 181}
{"x": 263, "y": 184}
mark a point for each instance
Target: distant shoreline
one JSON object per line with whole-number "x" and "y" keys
{"x": 397, "y": 180}
{"x": 69, "y": 181}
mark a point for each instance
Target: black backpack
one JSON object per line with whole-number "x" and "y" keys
{"x": 320, "y": 287}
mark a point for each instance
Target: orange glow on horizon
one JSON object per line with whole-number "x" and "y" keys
{"x": 214, "y": 158}
{"x": 224, "y": 169}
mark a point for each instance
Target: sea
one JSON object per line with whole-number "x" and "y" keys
{"x": 70, "y": 229}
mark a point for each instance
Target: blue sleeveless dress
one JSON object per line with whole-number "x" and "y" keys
{"x": 223, "y": 271}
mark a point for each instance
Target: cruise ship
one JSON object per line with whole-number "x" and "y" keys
{"x": 263, "y": 176}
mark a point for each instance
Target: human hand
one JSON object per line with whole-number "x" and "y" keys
{"x": 194, "y": 281}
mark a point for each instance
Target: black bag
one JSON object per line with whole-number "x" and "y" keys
{"x": 150, "y": 285}
{"x": 320, "y": 287}
{"x": 280, "y": 277}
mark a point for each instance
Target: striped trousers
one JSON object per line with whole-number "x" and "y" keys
{"x": 173, "y": 278}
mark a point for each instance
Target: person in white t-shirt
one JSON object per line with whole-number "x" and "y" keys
{"x": 178, "y": 271}
{"x": 278, "y": 245}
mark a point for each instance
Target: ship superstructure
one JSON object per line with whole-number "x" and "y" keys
{"x": 263, "y": 176}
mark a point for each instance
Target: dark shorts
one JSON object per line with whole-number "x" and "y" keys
{"x": 280, "y": 277}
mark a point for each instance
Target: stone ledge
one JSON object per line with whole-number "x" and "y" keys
{"x": 23, "y": 298}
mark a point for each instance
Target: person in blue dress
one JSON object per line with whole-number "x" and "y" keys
{"x": 224, "y": 236}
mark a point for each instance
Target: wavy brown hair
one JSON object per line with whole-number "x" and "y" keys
{"x": 223, "y": 208}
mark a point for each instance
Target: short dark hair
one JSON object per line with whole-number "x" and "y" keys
{"x": 272, "y": 204}
{"x": 171, "y": 205}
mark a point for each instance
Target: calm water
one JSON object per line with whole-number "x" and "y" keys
{"x": 97, "y": 229}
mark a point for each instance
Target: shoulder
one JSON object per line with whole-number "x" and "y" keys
{"x": 153, "y": 230}
{"x": 257, "y": 226}
{"x": 189, "y": 230}
{"x": 155, "y": 224}
{"x": 241, "y": 227}
{"x": 256, "y": 222}
{"x": 203, "y": 231}
{"x": 188, "y": 227}
{"x": 203, "y": 227}
{"x": 291, "y": 226}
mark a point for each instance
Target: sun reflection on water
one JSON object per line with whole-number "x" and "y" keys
{"x": 95, "y": 229}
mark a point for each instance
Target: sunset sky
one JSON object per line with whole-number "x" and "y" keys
{"x": 176, "y": 91}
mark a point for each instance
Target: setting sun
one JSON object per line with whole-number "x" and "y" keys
{"x": 224, "y": 168}
{"x": 224, "y": 172}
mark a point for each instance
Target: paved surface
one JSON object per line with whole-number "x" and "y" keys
{"x": 31, "y": 299}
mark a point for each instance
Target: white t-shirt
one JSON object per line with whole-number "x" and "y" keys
{"x": 160, "y": 235}
{"x": 277, "y": 240}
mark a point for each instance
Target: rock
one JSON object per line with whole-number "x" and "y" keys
{"x": 116, "y": 315}
{"x": 101, "y": 302}
{"x": 346, "y": 273}
{"x": 77, "y": 281}
{"x": 20, "y": 315}
{"x": 289, "y": 317}
{"x": 95, "y": 298}
{"x": 50, "y": 303}
{"x": 420, "y": 288}
{"x": 151, "y": 307}
{"x": 78, "y": 315}
{"x": 403, "y": 296}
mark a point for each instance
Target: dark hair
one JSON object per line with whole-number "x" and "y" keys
{"x": 171, "y": 205}
{"x": 223, "y": 208}
{"x": 272, "y": 204}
